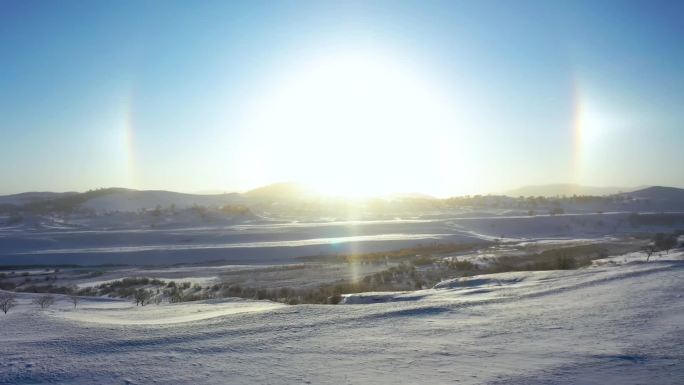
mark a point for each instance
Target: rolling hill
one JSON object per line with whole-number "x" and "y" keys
{"x": 564, "y": 189}
{"x": 658, "y": 193}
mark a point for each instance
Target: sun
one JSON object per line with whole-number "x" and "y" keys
{"x": 352, "y": 123}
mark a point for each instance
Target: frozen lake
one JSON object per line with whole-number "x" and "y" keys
{"x": 268, "y": 242}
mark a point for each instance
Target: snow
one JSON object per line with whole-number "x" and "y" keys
{"x": 613, "y": 323}
{"x": 124, "y": 313}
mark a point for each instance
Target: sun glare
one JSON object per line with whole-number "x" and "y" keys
{"x": 594, "y": 123}
{"x": 353, "y": 124}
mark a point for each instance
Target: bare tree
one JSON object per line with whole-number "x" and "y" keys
{"x": 649, "y": 250}
{"x": 75, "y": 300}
{"x": 7, "y": 301}
{"x": 44, "y": 301}
{"x": 142, "y": 297}
{"x": 665, "y": 242}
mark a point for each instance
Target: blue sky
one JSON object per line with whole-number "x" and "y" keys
{"x": 444, "y": 98}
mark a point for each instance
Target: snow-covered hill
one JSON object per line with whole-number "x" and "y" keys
{"x": 658, "y": 194}
{"x": 134, "y": 200}
{"x": 28, "y": 197}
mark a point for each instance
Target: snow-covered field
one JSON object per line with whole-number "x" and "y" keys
{"x": 620, "y": 321}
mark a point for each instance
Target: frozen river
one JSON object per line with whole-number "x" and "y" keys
{"x": 269, "y": 242}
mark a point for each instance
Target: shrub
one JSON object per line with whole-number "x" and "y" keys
{"x": 665, "y": 242}
{"x": 335, "y": 299}
{"x": 422, "y": 261}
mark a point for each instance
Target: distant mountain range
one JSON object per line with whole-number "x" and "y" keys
{"x": 115, "y": 199}
{"x": 566, "y": 189}
{"x": 121, "y": 199}
{"x": 296, "y": 191}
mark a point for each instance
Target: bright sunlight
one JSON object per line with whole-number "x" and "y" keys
{"x": 356, "y": 123}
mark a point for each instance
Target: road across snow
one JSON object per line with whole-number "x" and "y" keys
{"x": 611, "y": 324}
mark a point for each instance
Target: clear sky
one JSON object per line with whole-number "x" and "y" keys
{"x": 445, "y": 98}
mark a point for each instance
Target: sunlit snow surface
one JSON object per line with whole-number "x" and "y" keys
{"x": 125, "y": 313}
{"x": 620, "y": 321}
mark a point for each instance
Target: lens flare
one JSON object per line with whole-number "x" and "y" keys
{"x": 129, "y": 143}
{"x": 577, "y": 130}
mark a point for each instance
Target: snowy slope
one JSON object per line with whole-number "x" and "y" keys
{"x": 621, "y": 324}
